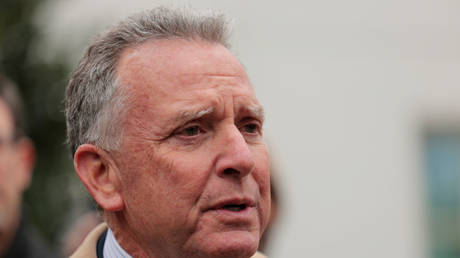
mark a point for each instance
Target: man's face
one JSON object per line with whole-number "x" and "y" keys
{"x": 194, "y": 168}
{"x": 11, "y": 185}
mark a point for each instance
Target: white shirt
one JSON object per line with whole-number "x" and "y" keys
{"x": 111, "y": 247}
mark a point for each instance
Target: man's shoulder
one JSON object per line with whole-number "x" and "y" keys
{"x": 88, "y": 248}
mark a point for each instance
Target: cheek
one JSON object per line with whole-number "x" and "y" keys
{"x": 168, "y": 189}
{"x": 262, "y": 172}
{"x": 10, "y": 175}
{"x": 176, "y": 179}
{"x": 187, "y": 174}
{"x": 10, "y": 186}
{"x": 262, "y": 177}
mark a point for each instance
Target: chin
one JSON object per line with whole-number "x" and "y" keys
{"x": 233, "y": 244}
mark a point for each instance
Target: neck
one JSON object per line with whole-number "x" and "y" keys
{"x": 124, "y": 235}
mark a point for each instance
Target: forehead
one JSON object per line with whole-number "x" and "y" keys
{"x": 169, "y": 68}
{"x": 177, "y": 56}
{"x": 176, "y": 62}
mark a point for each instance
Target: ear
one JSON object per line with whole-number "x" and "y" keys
{"x": 99, "y": 174}
{"x": 27, "y": 155}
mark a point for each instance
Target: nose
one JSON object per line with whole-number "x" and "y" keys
{"x": 235, "y": 157}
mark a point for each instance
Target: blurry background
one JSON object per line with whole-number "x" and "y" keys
{"x": 362, "y": 102}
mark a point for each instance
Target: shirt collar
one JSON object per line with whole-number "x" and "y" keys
{"x": 112, "y": 249}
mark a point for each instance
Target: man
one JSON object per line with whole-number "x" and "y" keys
{"x": 166, "y": 134}
{"x": 17, "y": 158}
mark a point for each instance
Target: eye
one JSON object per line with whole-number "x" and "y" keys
{"x": 251, "y": 128}
{"x": 190, "y": 131}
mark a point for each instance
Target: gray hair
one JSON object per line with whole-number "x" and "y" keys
{"x": 94, "y": 100}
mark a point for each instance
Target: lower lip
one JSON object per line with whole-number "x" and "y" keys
{"x": 242, "y": 216}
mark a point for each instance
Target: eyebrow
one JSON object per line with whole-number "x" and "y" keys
{"x": 256, "y": 111}
{"x": 190, "y": 115}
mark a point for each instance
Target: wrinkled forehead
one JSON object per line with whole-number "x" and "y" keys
{"x": 176, "y": 60}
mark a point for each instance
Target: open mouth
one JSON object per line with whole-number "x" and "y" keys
{"x": 234, "y": 207}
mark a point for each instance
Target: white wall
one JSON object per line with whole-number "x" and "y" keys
{"x": 347, "y": 86}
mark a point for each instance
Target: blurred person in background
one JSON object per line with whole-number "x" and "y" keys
{"x": 17, "y": 157}
{"x": 166, "y": 134}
